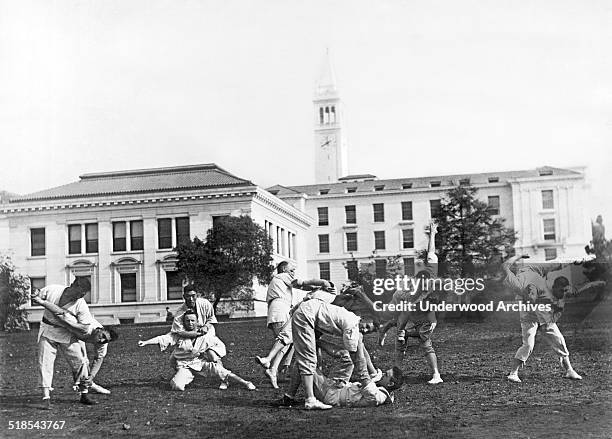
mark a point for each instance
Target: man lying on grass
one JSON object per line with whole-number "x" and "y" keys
{"x": 200, "y": 355}
{"x": 336, "y": 390}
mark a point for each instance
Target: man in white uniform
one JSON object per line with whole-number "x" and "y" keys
{"x": 319, "y": 316}
{"x": 280, "y": 300}
{"x": 53, "y": 336}
{"x": 531, "y": 287}
{"x": 93, "y": 333}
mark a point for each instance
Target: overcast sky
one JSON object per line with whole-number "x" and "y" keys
{"x": 430, "y": 87}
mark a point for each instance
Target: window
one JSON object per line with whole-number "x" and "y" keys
{"x": 379, "y": 212}
{"x": 549, "y": 229}
{"x": 352, "y": 270}
{"x": 351, "y": 214}
{"x": 174, "y": 285}
{"x": 273, "y": 192}
{"x": 91, "y": 238}
{"x": 323, "y": 243}
{"x": 545, "y": 172}
{"x": 434, "y": 207}
{"x": 324, "y": 192}
{"x": 324, "y": 272}
{"x": 407, "y": 186}
{"x": 464, "y": 182}
{"x": 409, "y": 266}
{"x": 182, "y": 231}
{"x": 351, "y": 242}
{"x": 321, "y": 119}
{"x": 128, "y": 287}
{"x": 547, "y": 200}
{"x": 119, "y": 237}
{"x": 493, "y": 179}
{"x": 407, "y": 238}
{"x": 493, "y": 202}
{"x": 407, "y": 210}
{"x": 379, "y": 240}
{"x": 216, "y": 219}
{"x": 379, "y": 188}
{"x": 74, "y": 239}
{"x": 37, "y": 283}
{"x": 550, "y": 254}
{"x": 323, "y": 216}
{"x": 37, "y": 242}
{"x": 351, "y": 190}
{"x": 381, "y": 268}
{"x": 136, "y": 235}
{"x": 435, "y": 183}
{"x": 164, "y": 233}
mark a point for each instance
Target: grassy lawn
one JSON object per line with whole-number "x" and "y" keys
{"x": 474, "y": 401}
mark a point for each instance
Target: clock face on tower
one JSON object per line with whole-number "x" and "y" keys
{"x": 327, "y": 141}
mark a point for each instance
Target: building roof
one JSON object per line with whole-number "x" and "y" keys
{"x": 442, "y": 181}
{"x": 204, "y": 176}
{"x": 5, "y": 196}
{"x": 358, "y": 177}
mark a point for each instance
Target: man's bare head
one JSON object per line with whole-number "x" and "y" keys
{"x": 190, "y": 320}
{"x": 392, "y": 379}
{"x": 189, "y": 295}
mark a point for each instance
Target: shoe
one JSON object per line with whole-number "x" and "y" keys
{"x": 435, "y": 380}
{"x": 85, "y": 399}
{"x": 513, "y": 377}
{"x": 572, "y": 375}
{"x": 250, "y": 386}
{"x": 99, "y": 389}
{"x": 287, "y": 401}
{"x": 272, "y": 377}
{"x": 377, "y": 376}
{"x": 401, "y": 336}
{"x": 381, "y": 339}
{"x": 262, "y": 362}
{"x": 315, "y": 404}
{"x": 224, "y": 385}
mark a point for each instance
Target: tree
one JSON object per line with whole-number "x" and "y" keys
{"x": 236, "y": 251}
{"x": 470, "y": 241}
{"x": 14, "y": 289}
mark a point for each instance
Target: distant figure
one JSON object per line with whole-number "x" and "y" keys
{"x": 169, "y": 315}
{"x": 598, "y": 230}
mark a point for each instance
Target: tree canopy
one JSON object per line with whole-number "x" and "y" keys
{"x": 470, "y": 239}
{"x": 236, "y": 251}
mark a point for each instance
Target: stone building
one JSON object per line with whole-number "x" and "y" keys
{"x": 119, "y": 229}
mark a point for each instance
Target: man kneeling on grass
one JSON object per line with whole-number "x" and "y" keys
{"x": 336, "y": 389}
{"x": 196, "y": 356}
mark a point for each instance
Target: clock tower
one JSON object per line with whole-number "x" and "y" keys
{"x": 329, "y": 134}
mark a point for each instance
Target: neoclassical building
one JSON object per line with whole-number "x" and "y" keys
{"x": 119, "y": 229}
{"x": 360, "y": 218}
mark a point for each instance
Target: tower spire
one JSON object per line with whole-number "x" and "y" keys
{"x": 326, "y": 82}
{"x": 329, "y": 129}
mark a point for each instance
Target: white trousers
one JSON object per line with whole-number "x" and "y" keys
{"x": 551, "y": 334}
{"x": 47, "y": 351}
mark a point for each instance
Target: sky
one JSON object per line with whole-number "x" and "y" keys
{"x": 429, "y": 88}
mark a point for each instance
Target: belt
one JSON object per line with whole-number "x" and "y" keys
{"x": 48, "y": 322}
